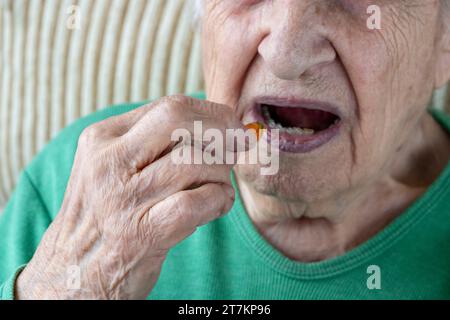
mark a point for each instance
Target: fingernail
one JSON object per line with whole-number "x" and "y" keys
{"x": 230, "y": 192}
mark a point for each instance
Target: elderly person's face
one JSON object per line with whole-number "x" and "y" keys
{"x": 320, "y": 54}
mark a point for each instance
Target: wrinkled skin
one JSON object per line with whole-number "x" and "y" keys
{"x": 127, "y": 204}
{"x": 389, "y": 150}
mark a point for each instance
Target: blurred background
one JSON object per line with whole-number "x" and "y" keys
{"x": 63, "y": 59}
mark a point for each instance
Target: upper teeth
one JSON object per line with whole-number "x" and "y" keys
{"x": 275, "y": 125}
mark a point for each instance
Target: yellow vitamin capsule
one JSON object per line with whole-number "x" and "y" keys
{"x": 256, "y": 127}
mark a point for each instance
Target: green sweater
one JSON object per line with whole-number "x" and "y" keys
{"x": 228, "y": 259}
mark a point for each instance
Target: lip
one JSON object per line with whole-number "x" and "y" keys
{"x": 298, "y": 143}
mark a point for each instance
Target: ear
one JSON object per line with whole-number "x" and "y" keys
{"x": 442, "y": 75}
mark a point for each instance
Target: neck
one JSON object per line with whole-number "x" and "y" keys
{"x": 345, "y": 221}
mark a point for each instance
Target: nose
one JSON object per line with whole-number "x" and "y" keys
{"x": 296, "y": 39}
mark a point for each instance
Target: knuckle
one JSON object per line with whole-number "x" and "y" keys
{"x": 174, "y": 105}
{"x": 160, "y": 226}
{"x": 183, "y": 205}
{"x": 146, "y": 232}
{"x": 182, "y": 212}
{"x": 179, "y": 98}
{"x": 90, "y": 135}
{"x": 218, "y": 110}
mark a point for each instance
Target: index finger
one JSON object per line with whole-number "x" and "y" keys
{"x": 153, "y": 134}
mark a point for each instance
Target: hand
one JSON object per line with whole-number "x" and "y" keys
{"x": 127, "y": 204}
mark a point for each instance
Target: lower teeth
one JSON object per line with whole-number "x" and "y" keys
{"x": 275, "y": 125}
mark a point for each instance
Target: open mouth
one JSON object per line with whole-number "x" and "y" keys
{"x": 298, "y": 121}
{"x": 303, "y": 126}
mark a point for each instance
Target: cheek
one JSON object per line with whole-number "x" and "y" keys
{"x": 390, "y": 71}
{"x": 228, "y": 50}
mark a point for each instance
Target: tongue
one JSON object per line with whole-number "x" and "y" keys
{"x": 302, "y": 118}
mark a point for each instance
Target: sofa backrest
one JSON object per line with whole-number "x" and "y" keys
{"x": 63, "y": 59}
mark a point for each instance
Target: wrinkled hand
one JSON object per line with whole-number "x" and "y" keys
{"x": 127, "y": 204}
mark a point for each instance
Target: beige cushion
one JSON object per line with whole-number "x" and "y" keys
{"x": 50, "y": 75}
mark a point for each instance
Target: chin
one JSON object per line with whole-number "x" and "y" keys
{"x": 293, "y": 183}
